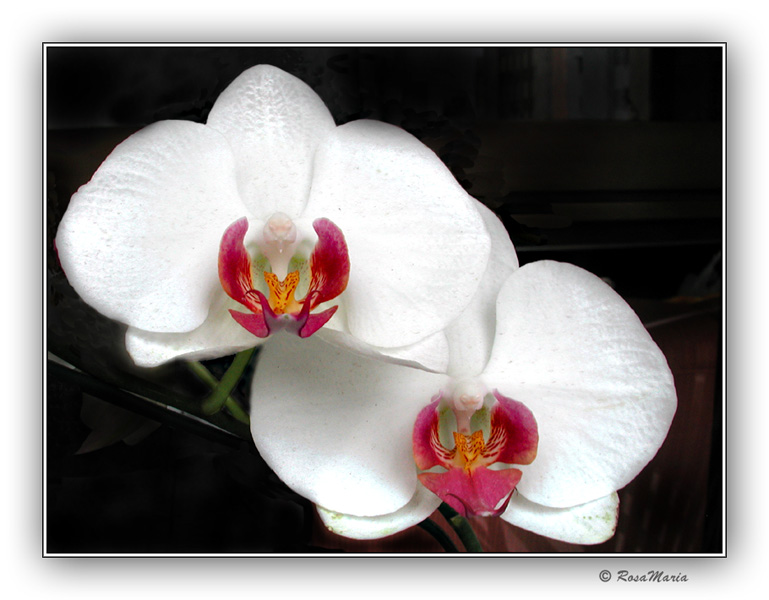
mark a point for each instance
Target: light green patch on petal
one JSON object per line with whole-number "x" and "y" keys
{"x": 301, "y": 264}
{"x": 447, "y": 425}
{"x": 259, "y": 265}
{"x": 481, "y": 418}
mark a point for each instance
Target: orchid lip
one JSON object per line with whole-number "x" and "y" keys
{"x": 324, "y": 273}
{"x": 466, "y": 482}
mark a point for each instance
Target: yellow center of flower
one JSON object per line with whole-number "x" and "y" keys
{"x": 469, "y": 448}
{"x": 281, "y": 298}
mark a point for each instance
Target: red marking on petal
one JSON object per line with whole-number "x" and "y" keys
{"x": 514, "y": 437}
{"x": 316, "y": 321}
{"x": 235, "y": 266}
{"x": 329, "y": 264}
{"x": 253, "y": 322}
{"x": 480, "y": 492}
{"x": 428, "y": 450}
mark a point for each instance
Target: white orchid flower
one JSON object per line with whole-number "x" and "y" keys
{"x": 554, "y": 399}
{"x": 206, "y": 238}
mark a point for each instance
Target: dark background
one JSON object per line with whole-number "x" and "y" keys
{"x": 606, "y": 157}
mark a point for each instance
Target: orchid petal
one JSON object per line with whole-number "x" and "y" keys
{"x": 219, "y": 335}
{"x": 417, "y": 243}
{"x": 419, "y": 508}
{"x": 139, "y": 241}
{"x": 274, "y": 122}
{"x": 430, "y": 353}
{"x": 342, "y": 442}
{"x": 590, "y": 523}
{"x": 578, "y": 357}
{"x": 471, "y": 335}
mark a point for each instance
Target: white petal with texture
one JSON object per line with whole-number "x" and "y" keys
{"x": 590, "y": 523}
{"x": 418, "y": 246}
{"x": 600, "y": 389}
{"x": 219, "y": 335}
{"x": 336, "y": 427}
{"x": 420, "y": 507}
{"x": 431, "y": 353}
{"x": 471, "y": 335}
{"x": 274, "y": 123}
{"x": 139, "y": 242}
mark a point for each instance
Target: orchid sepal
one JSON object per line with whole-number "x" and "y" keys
{"x": 589, "y": 523}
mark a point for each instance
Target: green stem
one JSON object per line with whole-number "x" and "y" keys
{"x": 462, "y": 527}
{"x": 203, "y": 374}
{"x": 237, "y": 411}
{"x": 222, "y": 390}
{"x": 440, "y": 536}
